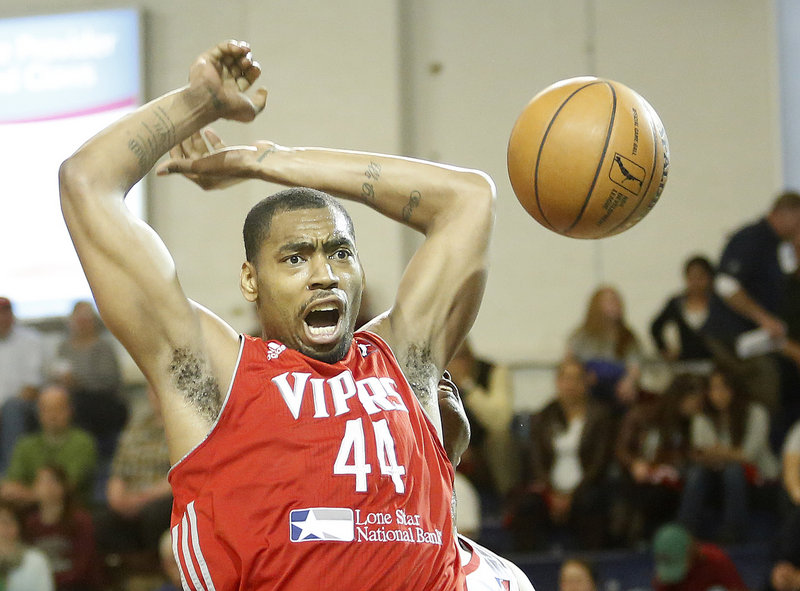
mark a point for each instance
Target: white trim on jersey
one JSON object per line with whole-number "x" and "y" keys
{"x": 186, "y": 530}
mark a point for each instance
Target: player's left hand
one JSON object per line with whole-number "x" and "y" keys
{"x": 226, "y": 72}
{"x": 208, "y": 162}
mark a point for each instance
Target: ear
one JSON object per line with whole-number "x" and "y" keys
{"x": 248, "y": 282}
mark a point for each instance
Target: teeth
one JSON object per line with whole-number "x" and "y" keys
{"x": 322, "y": 331}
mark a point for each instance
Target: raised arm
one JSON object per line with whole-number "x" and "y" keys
{"x": 184, "y": 351}
{"x": 441, "y": 289}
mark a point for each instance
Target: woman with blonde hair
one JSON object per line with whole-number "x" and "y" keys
{"x": 608, "y": 348}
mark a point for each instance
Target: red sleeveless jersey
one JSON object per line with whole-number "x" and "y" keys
{"x": 316, "y": 476}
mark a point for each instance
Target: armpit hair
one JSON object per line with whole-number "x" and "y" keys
{"x": 192, "y": 376}
{"x": 421, "y": 373}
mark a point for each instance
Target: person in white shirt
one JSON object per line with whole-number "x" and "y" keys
{"x": 22, "y": 372}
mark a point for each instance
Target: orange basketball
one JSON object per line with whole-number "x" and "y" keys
{"x": 588, "y": 157}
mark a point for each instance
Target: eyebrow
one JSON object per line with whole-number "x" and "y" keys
{"x": 330, "y": 245}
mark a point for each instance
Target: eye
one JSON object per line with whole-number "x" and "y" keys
{"x": 294, "y": 259}
{"x": 342, "y": 254}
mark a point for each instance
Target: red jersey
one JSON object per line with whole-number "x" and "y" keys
{"x": 711, "y": 569}
{"x": 316, "y": 476}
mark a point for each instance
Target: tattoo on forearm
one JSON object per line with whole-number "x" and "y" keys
{"x": 191, "y": 375}
{"x": 265, "y": 154}
{"x": 413, "y": 202}
{"x": 373, "y": 173}
{"x": 154, "y": 138}
{"x": 215, "y": 100}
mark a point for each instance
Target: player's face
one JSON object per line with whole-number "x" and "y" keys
{"x": 308, "y": 282}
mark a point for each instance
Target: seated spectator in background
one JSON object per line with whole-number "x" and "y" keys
{"x": 486, "y": 390}
{"x": 168, "y": 565}
{"x": 64, "y": 531}
{"x": 609, "y": 349}
{"x": 88, "y": 366}
{"x": 57, "y": 442}
{"x": 686, "y": 313}
{"x": 731, "y": 447}
{"x": 571, "y": 442}
{"x": 22, "y": 368}
{"x": 21, "y": 568}
{"x": 684, "y": 564}
{"x": 653, "y": 448}
{"x": 138, "y": 494}
{"x": 791, "y": 469}
{"x": 789, "y": 370}
{"x": 751, "y": 281}
{"x": 785, "y": 573}
{"x": 576, "y": 575}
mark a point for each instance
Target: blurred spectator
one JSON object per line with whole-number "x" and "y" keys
{"x": 576, "y": 575}
{"x": 791, "y": 467}
{"x": 570, "y": 450}
{"x": 486, "y": 391}
{"x": 686, "y": 313}
{"x": 64, "y": 531}
{"x": 138, "y": 493}
{"x": 653, "y": 448}
{"x": 751, "y": 283}
{"x": 22, "y": 366}
{"x": 21, "y": 568}
{"x": 607, "y": 346}
{"x": 785, "y": 573}
{"x": 684, "y": 564}
{"x": 731, "y": 449}
{"x": 57, "y": 442}
{"x": 88, "y": 366}
{"x": 789, "y": 371}
{"x": 168, "y": 565}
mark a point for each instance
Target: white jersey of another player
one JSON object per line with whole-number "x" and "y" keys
{"x": 486, "y": 571}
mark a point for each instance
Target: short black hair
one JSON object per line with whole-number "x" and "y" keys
{"x": 259, "y": 218}
{"x": 786, "y": 200}
{"x": 699, "y": 261}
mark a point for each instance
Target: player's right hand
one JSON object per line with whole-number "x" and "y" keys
{"x": 226, "y": 72}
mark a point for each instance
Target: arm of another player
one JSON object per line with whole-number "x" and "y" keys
{"x": 441, "y": 289}
{"x": 132, "y": 275}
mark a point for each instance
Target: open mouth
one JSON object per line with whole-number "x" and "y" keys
{"x": 323, "y": 321}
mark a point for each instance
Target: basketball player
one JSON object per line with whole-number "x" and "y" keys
{"x": 484, "y": 570}
{"x": 311, "y": 458}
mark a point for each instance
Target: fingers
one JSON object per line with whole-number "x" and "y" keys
{"x": 174, "y": 165}
{"x": 214, "y": 140}
{"x": 260, "y": 99}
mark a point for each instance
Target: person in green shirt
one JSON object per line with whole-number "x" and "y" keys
{"x": 58, "y": 442}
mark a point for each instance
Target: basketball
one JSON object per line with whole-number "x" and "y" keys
{"x": 588, "y": 157}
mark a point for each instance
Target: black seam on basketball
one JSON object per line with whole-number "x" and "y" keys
{"x": 602, "y": 158}
{"x": 649, "y": 182}
{"x": 541, "y": 147}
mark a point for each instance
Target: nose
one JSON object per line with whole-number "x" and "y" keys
{"x": 322, "y": 274}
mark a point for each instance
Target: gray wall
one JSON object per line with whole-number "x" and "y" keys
{"x": 446, "y": 79}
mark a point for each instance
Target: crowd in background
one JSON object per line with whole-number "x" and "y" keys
{"x": 606, "y": 463}
{"x": 609, "y": 461}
